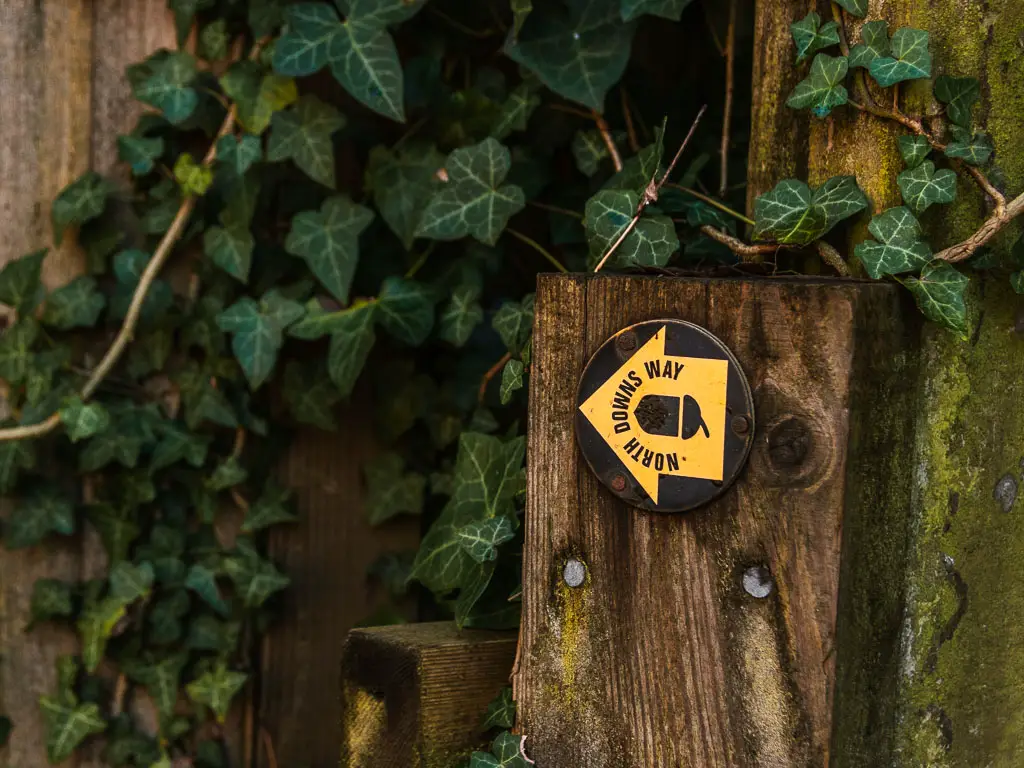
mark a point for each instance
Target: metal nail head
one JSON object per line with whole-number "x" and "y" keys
{"x": 575, "y": 572}
{"x": 758, "y": 582}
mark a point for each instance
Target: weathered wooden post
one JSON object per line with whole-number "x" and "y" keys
{"x": 709, "y": 637}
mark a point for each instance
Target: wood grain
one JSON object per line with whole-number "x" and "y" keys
{"x": 326, "y": 555}
{"x": 414, "y": 696}
{"x": 661, "y": 657}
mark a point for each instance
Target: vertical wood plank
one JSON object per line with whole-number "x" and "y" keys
{"x": 326, "y": 555}
{"x": 661, "y": 657}
{"x": 45, "y": 94}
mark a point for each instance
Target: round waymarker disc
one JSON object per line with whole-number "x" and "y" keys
{"x": 664, "y": 417}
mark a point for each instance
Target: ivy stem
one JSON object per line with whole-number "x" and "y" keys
{"x": 539, "y": 248}
{"x": 627, "y": 114}
{"x": 602, "y": 127}
{"x": 712, "y": 202}
{"x": 988, "y": 230}
{"x": 730, "y": 66}
{"x": 420, "y": 261}
{"x": 837, "y": 15}
{"x": 749, "y": 253}
{"x": 556, "y": 209}
{"x": 131, "y": 319}
{"x": 491, "y": 373}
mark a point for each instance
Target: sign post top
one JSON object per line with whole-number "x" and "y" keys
{"x": 665, "y": 415}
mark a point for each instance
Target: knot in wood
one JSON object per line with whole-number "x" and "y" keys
{"x": 789, "y": 442}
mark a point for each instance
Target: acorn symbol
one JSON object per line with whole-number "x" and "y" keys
{"x": 692, "y": 420}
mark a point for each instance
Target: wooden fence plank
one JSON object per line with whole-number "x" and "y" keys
{"x": 414, "y": 696}
{"x": 326, "y": 554}
{"x": 661, "y": 657}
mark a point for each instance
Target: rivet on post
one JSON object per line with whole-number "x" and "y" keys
{"x": 575, "y": 572}
{"x": 758, "y": 582}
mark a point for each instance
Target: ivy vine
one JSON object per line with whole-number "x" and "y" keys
{"x": 350, "y": 200}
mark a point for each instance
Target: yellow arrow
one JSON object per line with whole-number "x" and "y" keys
{"x": 680, "y": 431}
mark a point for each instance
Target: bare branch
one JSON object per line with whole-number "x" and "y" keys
{"x": 730, "y": 66}
{"x": 992, "y": 226}
{"x": 606, "y": 134}
{"x": 749, "y": 253}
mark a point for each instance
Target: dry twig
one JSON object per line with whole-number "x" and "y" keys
{"x": 493, "y": 371}
{"x": 749, "y": 253}
{"x": 627, "y": 114}
{"x": 730, "y": 66}
{"x": 602, "y": 127}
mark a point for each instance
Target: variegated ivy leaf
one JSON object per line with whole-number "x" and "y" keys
{"x": 924, "y": 186}
{"x": 352, "y": 338}
{"x": 461, "y": 315}
{"x": 139, "y": 152}
{"x": 914, "y": 149}
{"x": 514, "y": 323}
{"x": 665, "y": 9}
{"x": 238, "y": 154}
{"x": 976, "y": 150}
{"x": 481, "y": 538}
{"x": 810, "y": 36}
{"x": 650, "y": 242}
{"x": 20, "y": 286}
{"x": 794, "y": 213}
{"x": 899, "y": 247}
{"x": 303, "y": 134}
{"x": 258, "y": 332}
{"x": 68, "y": 724}
{"x": 82, "y": 420}
{"x": 257, "y": 94}
{"x": 473, "y": 201}
{"x": 328, "y": 241}
{"x": 939, "y": 293}
{"x": 359, "y": 50}
{"x": 501, "y": 712}
{"x": 856, "y": 7}
{"x": 216, "y": 689}
{"x": 516, "y": 111}
{"x": 392, "y": 491}
{"x": 406, "y": 310}
{"x": 402, "y": 183}
{"x": 874, "y": 44}
{"x": 164, "y": 81}
{"x": 823, "y": 88}
{"x": 908, "y": 59}
{"x": 75, "y": 305}
{"x": 511, "y": 380}
{"x": 161, "y": 678}
{"x": 40, "y": 512}
{"x": 82, "y": 200}
{"x": 579, "y": 52}
{"x": 959, "y": 94}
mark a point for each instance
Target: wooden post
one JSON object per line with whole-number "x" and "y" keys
{"x": 415, "y": 695}
{"x": 709, "y": 638}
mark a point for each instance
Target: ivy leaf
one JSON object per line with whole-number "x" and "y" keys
{"x": 810, "y": 36}
{"x": 214, "y": 40}
{"x": 328, "y": 241}
{"x": 516, "y": 111}
{"x": 165, "y": 617}
{"x": 406, "y": 310}
{"x": 68, "y": 724}
{"x": 508, "y": 748}
{"x": 924, "y": 186}
{"x": 511, "y": 380}
{"x": 461, "y": 315}
{"x": 83, "y": 420}
{"x": 501, "y": 712}
{"x": 216, "y": 689}
{"x": 139, "y": 152}
{"x": 402, "y": 184}
{"x": 116, "y": 532}
{"x": 823, "y": 89}
{"x": 608, "y": 214}
{"x": 257, "y": 95}
{"x": 856, "y": 7}
{"x": 589, "y": 149}
{"x": 666, "y": 9}
{"x": 228, "y": 474}
{"x": 1017, "y": 282}
{"x": 482, "y": 538}
{"x": 974, "y": 151}
{"x": 303, "y": 134}
{"x": 914, "y": 149}
{"x": 129, "y": 583}
{"x": 185, "y": 13}
{"x": 203, "y": 582}
{"x": 203, "y": 401}
{"x": 16, "y": 350}
{"x": 110, "y": 445}
{"x": 578, "y": 54}
{"x": 473, "y": 201}
{"x": 239, "y": 154}
{"x": 75, "y": 305}
{"x": 42, "y": 511}
{"x": 959, "y": 94}
{"x": 310, "y": 393}
{"x": 20, "y": 286}
{"x": 255, "y": 579}
{"x": 82, "y": 200}
{"x": 483, "y": 760}
{"x": 15, "y": 456}
{"x": 939, "y": 293}
{"x": 51, "y": 599}
{"x": 161, "y": 679}
{"x": 207, "y": 633}
{"x": 193, "y": 177}
{"x": 875, "y": 44}
{"x": 272, "y": 508}
{"x": 128, "y": 268}
{"x": 95, "y": 627}
{"x": 514, "y": 323}
{"x": 230, "y": 247}
{"x": 391, "y": 491}
{"x": 257, "y": 330}
{"x": 178, "y": 445}
{"x": 164, "y": 81}
{"x": 793, "y": 213}
{"x": 908, "y": 58}
{"x": 520, "y": 10}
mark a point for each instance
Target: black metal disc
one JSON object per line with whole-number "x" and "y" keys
{"x": 664, "y": 416}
